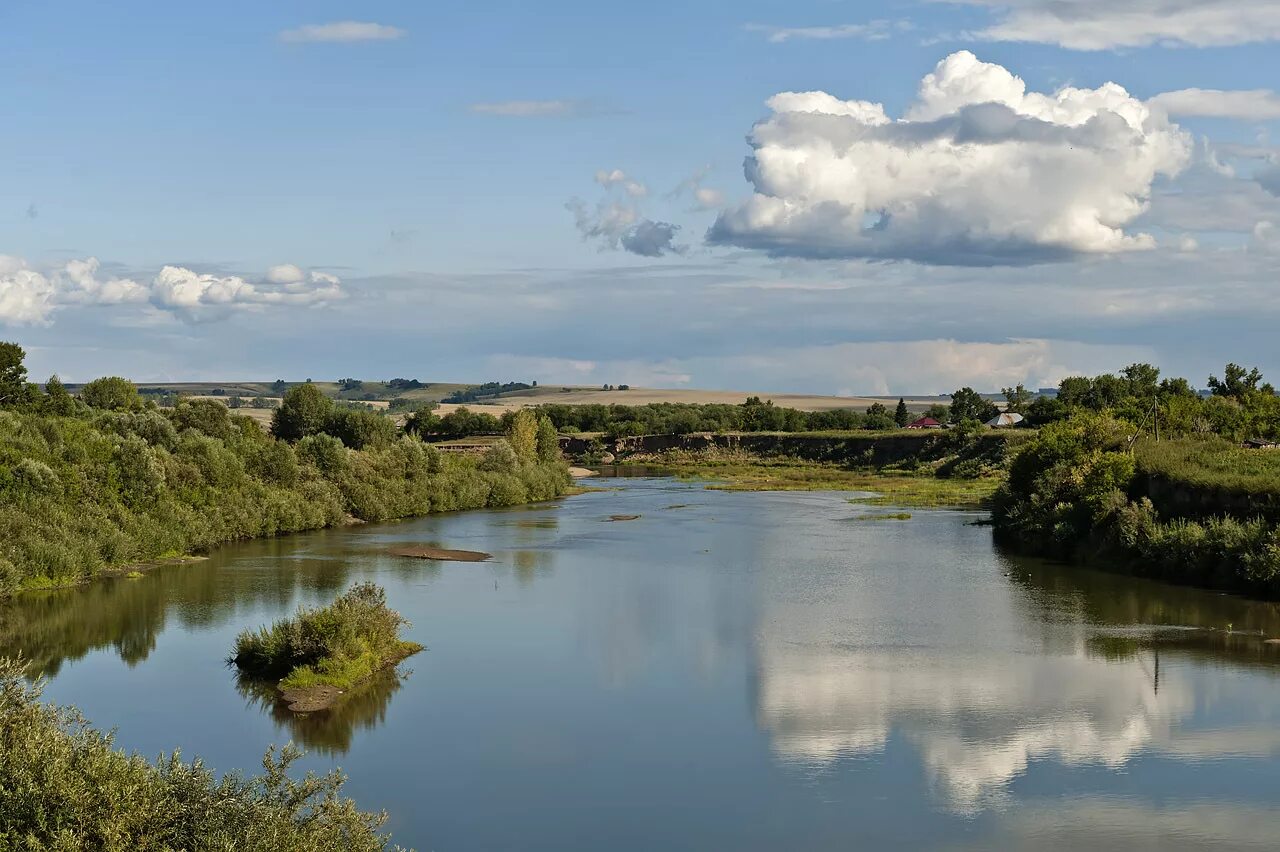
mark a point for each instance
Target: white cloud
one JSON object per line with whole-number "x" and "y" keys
{"x": 870, "y": 31}
{"x": 978, "y": 172}
{"x": 1106, "y": 24}
{"x": 342, "y": 31}
{"x": 26, "y": 296}
{"x": 1249, "y": 104}
{"x": 528, "y": 109}
{"x": 617, "y": 177}
{"x": 196, "y": 296}
{"x": 29, "y": 297}
{"x": 286, "y": 273}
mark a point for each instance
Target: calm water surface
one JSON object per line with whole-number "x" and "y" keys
{"x": 730, "y": 671}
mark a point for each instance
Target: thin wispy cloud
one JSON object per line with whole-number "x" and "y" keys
{"x": 1250, "y": 104}
{"x": 342, "y": 32}
{"x": 1108, "y": 25}
{"x": 530, "y": 109}
{"x": 870, "y": 31}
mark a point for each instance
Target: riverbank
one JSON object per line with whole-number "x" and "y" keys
{"x": 112, "y": 491}
{"x": 958, "y": 470}
{"x": 1194, "y": 511}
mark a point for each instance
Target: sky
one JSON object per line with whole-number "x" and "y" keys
{"x": 818, "y": 196}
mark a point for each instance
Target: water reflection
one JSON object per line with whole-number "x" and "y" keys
{"x": 902, "y": 683}
{"x": 1079, "y": 668}
{"x": 328, "y": 731}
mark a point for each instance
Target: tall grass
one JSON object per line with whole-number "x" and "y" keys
{"x": 1213, "y": 463}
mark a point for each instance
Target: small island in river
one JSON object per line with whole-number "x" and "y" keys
{"x": 321, "y": 654}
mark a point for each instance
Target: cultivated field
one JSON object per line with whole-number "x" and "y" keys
{"x": 377, "y": 394}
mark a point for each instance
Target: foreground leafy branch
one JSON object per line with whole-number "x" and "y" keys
{"x": 65, "y": 787}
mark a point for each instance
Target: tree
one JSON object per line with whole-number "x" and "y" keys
{"x": 14, "y": 389}
{"x": 939, "y": 412}
{"x": 968, "y": 404}
{"x": 900, "y": 415}
{"x": 1017, "y": 399}
{"x": 878, "y": 417}
{"x": 359, "y": 429}
{"x": 278, "y": 386}
{"x": 423, "y": 422}
{"x": 1238, "y": 383}
{"x": 302, "y": 412}
{"x": 111, "y": 393}
{"x": 548, "y": 440}
{"x": 522, "y": 435}
{"x": 1142, "y": 379}
{"x": 57, "y": 402}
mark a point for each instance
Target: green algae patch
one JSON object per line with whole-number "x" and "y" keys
{"x": 319, "y": 655}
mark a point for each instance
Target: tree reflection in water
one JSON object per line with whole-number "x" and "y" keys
{"x": 329, "y": 731}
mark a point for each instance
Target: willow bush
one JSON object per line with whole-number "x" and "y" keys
{"x": 65, "y": 787}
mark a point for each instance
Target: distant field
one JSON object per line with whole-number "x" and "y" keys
{"x": 380, "y": 396}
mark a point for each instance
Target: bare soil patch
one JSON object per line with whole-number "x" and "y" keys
{"x": 442, "y": 554}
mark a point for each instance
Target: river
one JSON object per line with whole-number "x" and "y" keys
{"x": 747, "y": 671}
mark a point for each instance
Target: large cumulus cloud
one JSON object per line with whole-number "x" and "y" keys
{"x": 978, "y": 171}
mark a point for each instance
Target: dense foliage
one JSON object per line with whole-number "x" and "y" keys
{"x": 1083, "y": 489}
{"x": 486, "y": 390}
{"x": 85, "y": 488}
{"x": 669, "y": 418}
{"x": 65, "y": 788}
{"x": 338, "y": 645}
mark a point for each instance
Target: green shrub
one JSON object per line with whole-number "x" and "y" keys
{"x": 337, "y": 645}
{"x": 64, "y": 787}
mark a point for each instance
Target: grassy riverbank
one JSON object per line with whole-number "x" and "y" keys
{"x": 961, "y": 470}
{"x": 64, "y": 786}
{"x": 86, "y": 490}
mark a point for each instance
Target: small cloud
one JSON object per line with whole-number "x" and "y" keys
{"x": 618, "y": 177}
{"x": 870, "y": 31}
{"x": 32, "y": 211}
{"x": 286, "y": 273}
{"x": 342, "y": 32}
{"x": 616, "y": 221}
{"x": 530, "y": 109}
{"x": 704, "y": 197}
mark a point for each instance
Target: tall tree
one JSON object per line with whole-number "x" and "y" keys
{"x": 1016, "y": 399}
{"x": 302, "y": 412}
{"x": 968, "y": 404}
{"x": 1238, "y": 383}
{"x": 523, "y": 435}
{"x": 111, "y": 393}
{"x": 900, "y": 415}
{"x": 57, "y": 401}
{"x": 14, "y": 388}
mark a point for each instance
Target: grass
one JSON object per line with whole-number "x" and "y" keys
{"x": 1212, "y": 463}
{"x": 339, "y": 646}
{"x": 890, "y": 488}
{"x": 886, "y": 516}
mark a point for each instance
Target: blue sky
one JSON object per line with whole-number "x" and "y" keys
{"x": 487, "y": 190}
